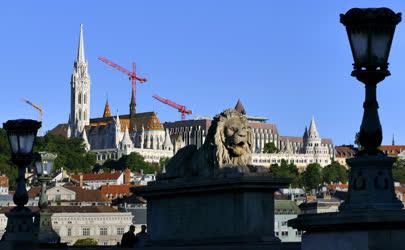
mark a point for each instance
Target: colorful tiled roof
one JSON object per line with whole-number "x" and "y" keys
{"x": 96, "y": 177}
{"x": 70, "y": 209}
{"x": 116, "y": 190}
{"x": 85, "y": 195}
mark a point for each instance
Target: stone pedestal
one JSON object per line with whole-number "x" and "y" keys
{"x": 20, "y": 230}
{"x": 212, "y": 213}
{"x": 44, "y": 231}
{"x": 370, "y": 218}
{"x": 360, "y": 230}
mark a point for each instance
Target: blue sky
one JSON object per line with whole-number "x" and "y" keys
{"x": 286, "y": 60}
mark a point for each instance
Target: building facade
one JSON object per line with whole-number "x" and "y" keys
{"x": 110, "y": 136}
{"x": 104, "y": 224}
{"x": 285, "y": 210}
{"x": 301, "y": 151}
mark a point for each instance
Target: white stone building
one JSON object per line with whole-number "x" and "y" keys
{"x": 285, "y": 210}
{"x": 109, "y": 136}
{"x": 104, "y": 224}
{"x": 310, "y": 148}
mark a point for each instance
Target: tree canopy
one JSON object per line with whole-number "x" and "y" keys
{"x": 287, "y": 170}
{"x": 134, "y": 161}
{"x": 398, "y": 171}
{"x": 6, "y": 166}
{"x": 335, "y": 173}
{"x": 86, "y": 242}
{"x": 270, "y": 148}
{"x": 312, "y": 176}
{"x": 71, "y": 152}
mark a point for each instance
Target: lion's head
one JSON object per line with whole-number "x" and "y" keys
{"x": 230, "y": 137}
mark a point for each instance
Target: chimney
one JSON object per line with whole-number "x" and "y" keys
{"x": 81, "y": 180}
{"x": 127, "y": 176}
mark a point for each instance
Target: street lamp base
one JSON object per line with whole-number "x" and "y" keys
{"x": 352, "y": 230}
{"x": 371, "y": 185}
{"x": 20, "y": 231}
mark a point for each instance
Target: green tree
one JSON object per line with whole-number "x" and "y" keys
{"x": 134, "y": 161}
{"x": 6, "y": 166}
{"x": 335, "y": 172}
{"x": 163, "y": 162}
{"x": 288, "y": 171}
{"x": 71, "y": 152}
{"x": 270, "y": 148}
{"x": 86, "y": 242}
{"x": 398, "y": 171}
{"x": 312, "y": 176}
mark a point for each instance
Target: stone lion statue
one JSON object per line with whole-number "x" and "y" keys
{"x": 227, "y": 145}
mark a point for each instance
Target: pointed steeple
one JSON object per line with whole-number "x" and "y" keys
{"x": 393, "y": 140}
{"x": 132, "y": 111}
{"x": 313, "y": 132}
{"x": 85, "y": 141}
{"x": 167, "y": 144}
{"x": 80, "y": 47}
{"x": 305, "y": 136}
{"x": 106, "y": 112}
{"x": 239, "y": 107}
{"x": 126, "y": 140}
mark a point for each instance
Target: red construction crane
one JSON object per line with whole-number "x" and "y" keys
{"x": 182, "y": 109}
{"x": 132, "y": 75}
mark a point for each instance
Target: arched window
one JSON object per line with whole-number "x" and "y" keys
{"x": 85, "y": 113}
{"x": 79, "y": 98}
{"x": 80, "y": 114}
{"x": 85, "y": 99}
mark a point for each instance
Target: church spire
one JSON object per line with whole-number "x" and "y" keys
{"x": 80, "y": 47}
{"x": 106, "y": 112}
{"x": 240, "y": 108}
{"x": 132, "y": 111}
{"x": 393, "y": 140}
{"x": 313, "y": 132}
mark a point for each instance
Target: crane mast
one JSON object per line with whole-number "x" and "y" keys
{"x": 35, "y": 106}
{"x": 131, "y": 74}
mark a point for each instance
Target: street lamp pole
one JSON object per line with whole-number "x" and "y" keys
{"x": 371, "y": 217}
{"x": 20, "y": 231}
{"x": 43, "y": 223}
{"x": 370, "y": 33}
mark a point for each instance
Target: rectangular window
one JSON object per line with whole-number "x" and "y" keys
{"x": 69, "y": 232}
{"x": 284, "y": 223}
{"x": 103, "y": 231}
{"x": 284, "y": 233}
{"x": 120, "y": 231}
{"x": 298, "y": 233}
{"x": 86, "y": 231}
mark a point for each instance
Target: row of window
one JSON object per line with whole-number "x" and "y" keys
{"x": 79, "y": 98}
{"x": 291, "y": 161}
{"x": 284, "y": 233}
{"x": 103, "y": 231}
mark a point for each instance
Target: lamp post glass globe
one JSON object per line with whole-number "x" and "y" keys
{"x": 370, "y": 33}
{"x": 44, "y": 163}
{"x": 21, "y": 136}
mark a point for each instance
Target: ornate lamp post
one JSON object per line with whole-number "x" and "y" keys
{"x": 44, "y": 166}
{"x": 371, "y": 216}
{"x": 370, "y": 33}
{"x": 21, "y": 135}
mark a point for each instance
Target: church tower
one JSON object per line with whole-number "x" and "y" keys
{"x": 79, "y": 92}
